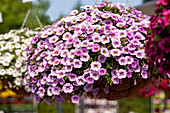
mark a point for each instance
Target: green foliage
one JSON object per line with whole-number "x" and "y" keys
{"x": 14, "y": 12}
{"x": 137, "y": 105}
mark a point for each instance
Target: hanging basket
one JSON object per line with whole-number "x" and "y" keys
{"x": 88, "y": 49}
{"x": 13, "y": 53}
{"x": 119, "y": 91}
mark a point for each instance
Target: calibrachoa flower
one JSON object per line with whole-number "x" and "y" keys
{"x": 158, "y": 44}
{"x": 13, "y": 47}
{"x": 103, "y": 41}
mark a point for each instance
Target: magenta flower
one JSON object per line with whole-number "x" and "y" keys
{"x": 105, "y": 52}
{"x": 116, "y": 43}
{"x": 165, "y": 45}
{"x": 164, "y": 67}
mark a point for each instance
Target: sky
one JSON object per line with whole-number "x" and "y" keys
{"x": 65, "y": 6}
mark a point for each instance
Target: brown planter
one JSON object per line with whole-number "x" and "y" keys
{"x": 119, "y": 91}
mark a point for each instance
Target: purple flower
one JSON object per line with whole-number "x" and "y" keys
{"x": 129, "y": 59}
{"x": 66, "y": 36}
{"x": 55, "y": 82}
{"x": 68, "y": 88}
{"x": 140, "y": 54}
{"x": 131, "y": 46}
{"x": 41, "y": 92}
{"x": 95, "y": 66}
{"x": 77, "y": 63}
{"x": 144, "y": 74}
{"x": 70, "y": 41}
{"x": 115, "y": 80}
{"x": 106, "y": 90}
{"x": 116, "y": 43}
{"x": 88, "y": 87}
{"x": 105, "y": 39}
{"x": 60, "y": 31}
{"x": 61, "y": 74}
{"x": 78, "y": 52}
{"x": 95, "y": 91}
{"x": 122, "y": 61}
{"x": 129, "y": 74}
{"x": 61, "y": 81}
{"x": 44, "y": 80}
{"x": 101, "y": 58}
{"x": 134, "y": 64}
{"x": 80, "y": 81}
{"x": 115, "y": 52}
{"x": 68, "y": 68}
{"x": 59, "y": 98}
{"x": 56, "y": 53}
{"x": 95, "y": 74}
{"x": 90, "y": 80}
{"x": 53, "y": 39}
{"x": 121, "y": 73}
{"x": 85, "y": 57}
{"x": 49, "y": 91}
{"x": 72, "y": 77}
{"x": 102, "y": 71}
{"x": 96, "y": 37}
{"x": 89, "y": 31}
{"x": 85, "y": 43}
{"x": 95, "y": 47}
{"x": 75, "y": 99}
{"x": 56, "y": 90}
{"x": 122, "y": 33}
{"x": 105, "y": 52}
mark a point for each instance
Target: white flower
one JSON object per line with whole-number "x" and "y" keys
{"x": 16, "y": 39}
{"x": 15, "y": 73}
{"x": 17, "y": 45}
{"x": 23, "y": 47}
{"x": 2, "y": 72}
{"x": 17, "y": 82}
{"x": 5, "y": 63}
{"x": 17, "y": 52}
{"x": 24, "y": 54}
{"x": 23, "y": 69}
{"x": 9, "y": 71}
{"x": 18, "y": 64}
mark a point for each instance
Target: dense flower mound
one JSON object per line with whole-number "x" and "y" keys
{"x": 12, "y": 55}
{"x": 105, "y": 40}
{"x": 158, "y": 44}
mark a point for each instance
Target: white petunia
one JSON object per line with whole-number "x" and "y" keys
{"x": 2, "y": 71}
{"x": 17, "y": 45}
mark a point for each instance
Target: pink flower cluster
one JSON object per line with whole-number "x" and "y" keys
{"x": 158, "y": 44}
{"x": 104, "y": 40}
